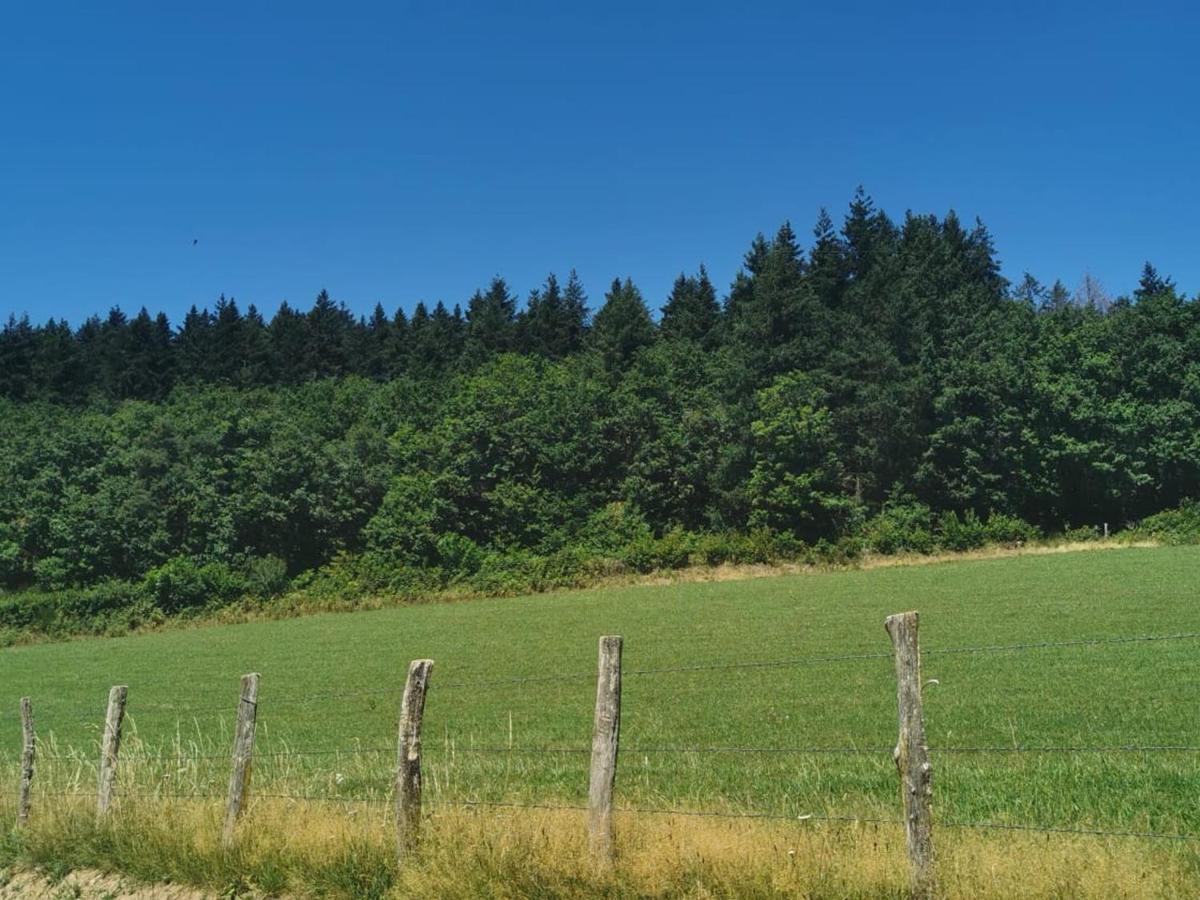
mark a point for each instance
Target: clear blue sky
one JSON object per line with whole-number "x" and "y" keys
{"x": 407, "y": 151}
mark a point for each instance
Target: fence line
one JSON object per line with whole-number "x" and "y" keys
{"x": 438, "y": 749}
{"x": 911, "y": 754}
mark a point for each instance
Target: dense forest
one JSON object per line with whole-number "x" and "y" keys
{"x": 881, "y": 386}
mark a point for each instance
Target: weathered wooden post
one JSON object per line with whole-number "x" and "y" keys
{"x": 408, "y": 758}
{"x": 606, "y": 733}
{"x": 110, "y": 747}
{"x": 28, "y": 753}
{"x": 243, "y": 756}
{"x": 912, "y": 753}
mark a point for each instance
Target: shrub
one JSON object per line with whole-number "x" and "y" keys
{"x": 182, "y": 584}
{"x": 460, "y": 557}
{"x": 1172, "y": 526}
{"x": 51, "y": 573}
{"x": 1010, "y": 530}
{"x": 967, "y": 533}
{"x": 900, "y": 528}
{"x": 1081, "y": 534}
{"x": 266, "y": 576}
{"x": 615, "y": 528}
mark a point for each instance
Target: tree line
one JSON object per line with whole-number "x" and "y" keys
{"x": 886, "y": 369}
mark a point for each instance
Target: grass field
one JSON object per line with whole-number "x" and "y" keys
{"x": 509, "y": 712}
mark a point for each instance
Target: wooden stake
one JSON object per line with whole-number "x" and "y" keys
{"x": 606, "y": 733}
{"x": 110, "y": 747}
{"x": 912, "y": 753}
{"x": 28, "y": 753}
{"x": 243, "y": 756}
{"x": 408, "y": 758}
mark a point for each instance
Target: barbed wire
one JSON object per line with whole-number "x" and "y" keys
{"x": 437, "y": 750}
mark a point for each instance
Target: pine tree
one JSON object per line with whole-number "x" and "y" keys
{"x": 114, "y": 352}
{"x": 622, "y": 326}
{"x": 691, "y": 312}
{"x": 551, "y": 324}
{"x": 329, "y": 329}
{"x": 828, "y": 267}
{"x": 491, "y": 321}
{"x": 17, "y": 359}
{"x": 147, "y": 358}
{"x": 398, "y": 350}
{"x": 194, "y": 346}
{"x": 228, "y": 344}
{"x": 377, "y": 347}
{"x": 1151, "y": 284}
{"x": 576, "y": 302}
{"x": 59, "y": 370}
{"x": 447, "y": 331}
{"x": 289, "y": 345}
{"x": 257, "y": 359}
{"x": 1030, "y": 292}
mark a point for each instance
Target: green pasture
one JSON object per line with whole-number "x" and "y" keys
{"x": 704, "y": 727}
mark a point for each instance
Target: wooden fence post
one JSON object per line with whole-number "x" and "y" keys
{"x": 912, "y": 753}
{"x": 28, "y": 753}
{"x": 243, "y": 756}
{"x": 408, "y": 758}
{"x": 110, "y": 747}
{"x": 606, "y": 733}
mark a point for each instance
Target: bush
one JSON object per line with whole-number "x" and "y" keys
{"x": 1081, "y": 534}
{"x": 181, "y": 584}
{"x": 266, "y": 576}
{"x": 613, "y": 529}
{"x": 967, "y": 533}
{"x": 1172, "y": 526}
{"x": 900, "y": 528}
{"x": 1010, "y": 530}
{"x": 460, "y": 557}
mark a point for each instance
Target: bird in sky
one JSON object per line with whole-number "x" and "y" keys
{"x": 195, "y": 241}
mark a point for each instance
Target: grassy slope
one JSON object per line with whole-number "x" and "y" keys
{"x": 1114, "y": 694}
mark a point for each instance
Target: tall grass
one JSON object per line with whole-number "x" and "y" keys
{"x": 305, "y": 849}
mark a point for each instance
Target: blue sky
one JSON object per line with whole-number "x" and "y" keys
{"x": 406, "y": 151}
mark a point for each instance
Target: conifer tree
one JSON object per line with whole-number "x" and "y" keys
{"x": 491, "y": 321}
{"x": 691, "y": 311}
{"x": 622, "y": 326}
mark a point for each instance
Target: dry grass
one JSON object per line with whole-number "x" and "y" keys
{"x": 301, "y": 849}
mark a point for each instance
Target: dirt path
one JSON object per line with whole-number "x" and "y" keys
{"x": 88, "y": 885}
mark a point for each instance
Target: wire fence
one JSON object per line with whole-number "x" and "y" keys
{"x": 314, "y": 699}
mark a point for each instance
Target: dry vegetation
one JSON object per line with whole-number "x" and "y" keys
{"x": 300, "y": 850}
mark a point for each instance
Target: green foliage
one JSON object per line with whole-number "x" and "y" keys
{"x": 795, "y": 483}
{"x": 883, "y": 389}
{"x": 965, "y": 532}
{"x": 182, "y": 584}
{"x": 901, "y": 528}
{"x": 266, "y": 576}
{"x": 1010, "y": 531}
{"x": 1171, "y": 526}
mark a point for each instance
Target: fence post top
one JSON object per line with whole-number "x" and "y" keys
{"x": 911, "y": 616}
{"x": 611, "y": 639}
